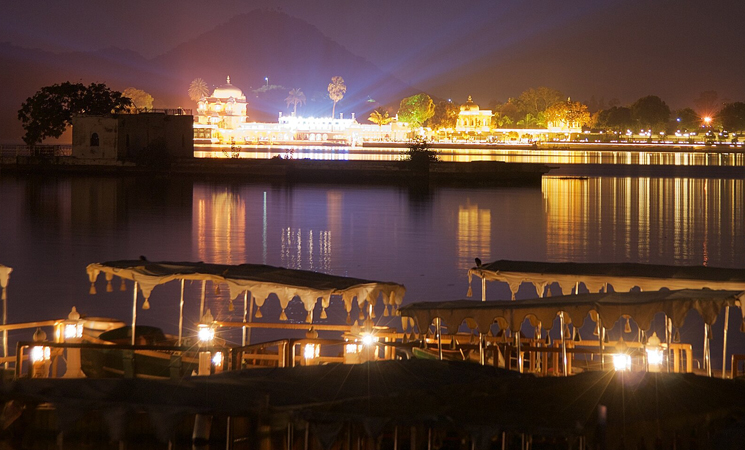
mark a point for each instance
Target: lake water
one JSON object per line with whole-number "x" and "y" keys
{"x": 52, "y": 227}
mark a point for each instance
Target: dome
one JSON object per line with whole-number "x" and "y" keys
{"x": 469, "y": 105}
{"x": 227, "y": 90}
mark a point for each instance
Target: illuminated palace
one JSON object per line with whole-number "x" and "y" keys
{"x": 222, "y": 118}
{"x": 472, "y": 119}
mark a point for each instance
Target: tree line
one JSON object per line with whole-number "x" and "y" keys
{"x": 541, "y": 107}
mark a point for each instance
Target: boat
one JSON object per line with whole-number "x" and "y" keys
{"x": 253, "y": 281}
{"x": 117, "y": 361}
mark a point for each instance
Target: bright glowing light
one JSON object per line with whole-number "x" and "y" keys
{"x": 654, "y": 356}
{"x": 217, "y": 359}
{"x": 621, "y": 362}
{"x": 368, "y": 340}
{"x": 707, "y": 120}
{"x": 73, "y": 330}
{"x": 351, "y": 348}
{"x": 40, "y": 354}
{"x": 205, "y": 333}
{"x": 311, "y": 351}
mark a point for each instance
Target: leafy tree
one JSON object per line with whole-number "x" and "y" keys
{"x": 687, "y": 119}
{"x": 650, "y": 112}
{"x": 49, "y": 112}
{"x": 295, "y": 96}
{"x": 568, "y": 113}
{"x": 416, "y": 110}
{"x": 337, "y": 89}
{"x": 500, "y": 120}
{"x": 419, "y": 155}
{"x": 445, "y": 115}
{"x": 732, "y": 116}
{"x": 381, "y": 117}
{"x": 140, "y": 99}
{"x": 528, "y": 121}
{"x": 616, "y": 118}
{"x": 534, "y": 101}
{"x": 511, "y": 110}
{"x": 198, "y": 89}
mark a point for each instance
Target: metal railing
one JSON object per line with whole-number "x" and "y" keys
{"x": 12, "y": 151}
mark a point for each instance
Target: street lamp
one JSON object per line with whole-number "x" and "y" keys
{"x": 266, "y": 79}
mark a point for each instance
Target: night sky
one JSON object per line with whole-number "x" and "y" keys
{"x": 489, "y": 49}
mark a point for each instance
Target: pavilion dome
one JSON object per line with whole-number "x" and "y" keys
{"x": 227, "y": 91}
{"x": 469, "y": 105}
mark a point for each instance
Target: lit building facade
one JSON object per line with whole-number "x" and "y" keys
{"x": 222, "y": 119}
{"x": 472, "y": 119}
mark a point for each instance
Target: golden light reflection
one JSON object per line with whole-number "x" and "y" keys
{"x": 473, "y": 235}
{"x": 590, "y": 154}
{"x": 306, "y": 250}
{"x": 220, "y": 227}
{"x": 644, "y": 219}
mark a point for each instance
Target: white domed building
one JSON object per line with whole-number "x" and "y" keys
{"x": 472, "y": 119}
{"x": 224, "y": 110}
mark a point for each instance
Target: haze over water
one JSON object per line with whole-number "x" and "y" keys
{"x": 51, "y": 228}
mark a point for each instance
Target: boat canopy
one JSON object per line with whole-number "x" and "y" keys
{"x": 639, "y": 306}
{"x": 260, "y": 280}
{"x": 595, "y": 276}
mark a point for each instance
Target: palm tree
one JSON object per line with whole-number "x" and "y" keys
{"x": 296, "y": 96}
{"x": 500, "y": 120}
{"x": 381, "y": 117}
{"x": 198, "y": 89}
{"x": 337, "y": 89}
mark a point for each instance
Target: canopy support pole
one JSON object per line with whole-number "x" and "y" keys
{"x": 707, "y": 349}
{"x": 204, "y": 294}
{"x": 724, "y": 342}
{"x": 563, "y": 345}
{"x": 181, "y": 314}
{"x": 245, "y": 313}
{"x": 438, "y": 323}
{"x": 518, "y": 345}
{"x": 482, "y": 348}
{"x": 601, "y": 337}
{"x": 395, "y": 438}
{"x": 483, "y": 289}
{"x": 134, "y": 311}
{"x": 668, "y": 339}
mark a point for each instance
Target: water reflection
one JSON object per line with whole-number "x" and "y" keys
{"x": 657, "y": 220}
{"x": 52, "y": 229}
{"x": 473, "y": 235}
{"x": 219, "y": 226}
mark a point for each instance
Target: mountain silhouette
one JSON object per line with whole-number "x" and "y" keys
{"x": 248, "y": 48}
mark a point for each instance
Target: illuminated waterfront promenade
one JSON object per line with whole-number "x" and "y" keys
{"x": 699, "y": 155}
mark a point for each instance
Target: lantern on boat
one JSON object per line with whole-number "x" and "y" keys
{"x": 206, "y": 335}
{"x": 72, "y": 332}
{"x": 311, "y": 351}
{"x": 621, "y": 359}
{"x": 206, "y": 329}
{"x": 40, "y": 355}
{"x": 655, "y": 355}
{"x": 72, "y": 328}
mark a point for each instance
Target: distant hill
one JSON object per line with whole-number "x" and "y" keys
{"x": 248, "y": 48}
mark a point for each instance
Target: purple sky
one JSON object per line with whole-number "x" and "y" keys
{"x": 492, "y": 49}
